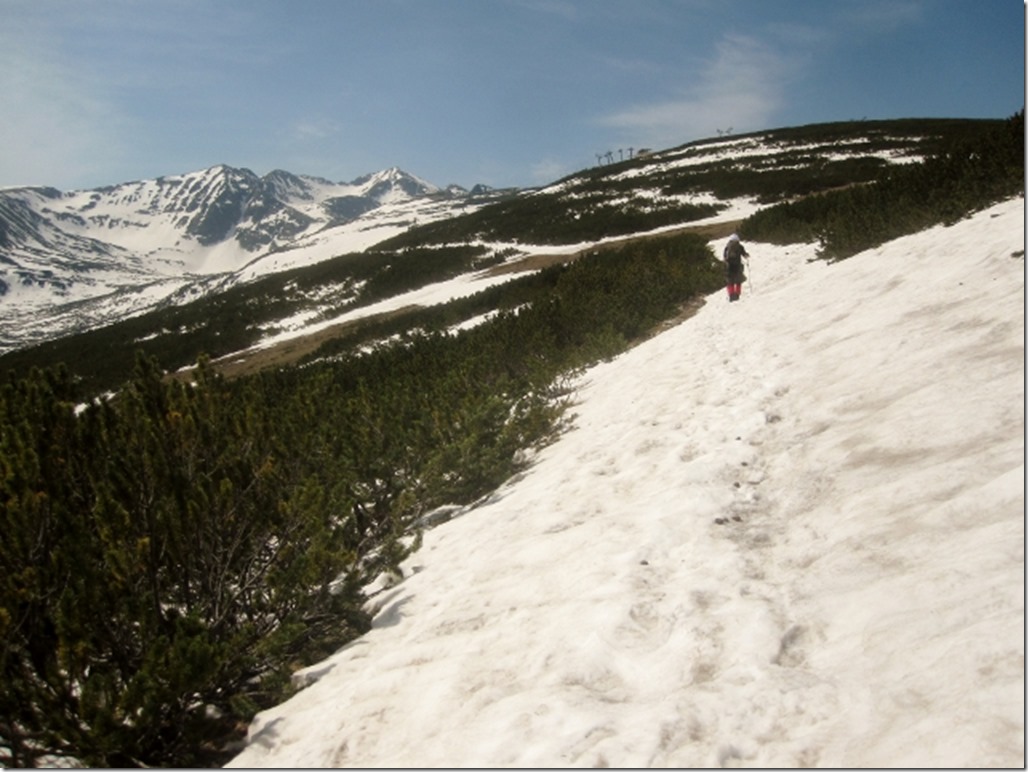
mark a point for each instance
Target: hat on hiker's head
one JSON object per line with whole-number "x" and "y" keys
{"x": 734, "y": 237}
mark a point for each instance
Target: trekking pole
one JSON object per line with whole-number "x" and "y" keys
{"x": 749, "y": 274}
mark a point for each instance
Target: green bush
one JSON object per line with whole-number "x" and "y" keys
{"x": 556, "y": 218}
{"x": 163, "y": 557}
{"x": 173, "y": 553}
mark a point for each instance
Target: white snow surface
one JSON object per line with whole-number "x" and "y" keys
{"x": 786, "y": 532}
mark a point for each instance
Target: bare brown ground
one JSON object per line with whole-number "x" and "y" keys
{"x": 250, "y": 361}
{"x": 293, "y": 350}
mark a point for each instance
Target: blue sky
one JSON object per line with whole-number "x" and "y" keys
{"x": 502, "y": 92}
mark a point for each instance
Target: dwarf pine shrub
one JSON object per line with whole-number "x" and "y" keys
{"x": 173, "y": 553}
{"x": 970, "y": 174}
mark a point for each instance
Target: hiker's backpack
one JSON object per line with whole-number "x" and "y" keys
{"x": 733, "y": 254}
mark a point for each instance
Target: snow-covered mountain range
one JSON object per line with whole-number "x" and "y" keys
{"x": 82, "y": 257}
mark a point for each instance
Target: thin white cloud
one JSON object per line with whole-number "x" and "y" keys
{"x": 89, "y": 89}
{"x": 803, "y": 36}
{"x": 547, "y": 171}
{"x": 57, "y": 125}
{"x": 314, "y": 129}
{"x": 883, "y": 16}
{"x": 562, "y": 9}
{"x": 743, "y": 86}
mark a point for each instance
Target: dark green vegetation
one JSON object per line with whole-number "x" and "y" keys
{"x": 567, "y": 217}
{"x": 171, "y": 554}
{"x": 238, "y": 317}
{"x": 637, "y": 195}
{"x": 968, "y": 173}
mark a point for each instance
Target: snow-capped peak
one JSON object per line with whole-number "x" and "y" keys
{"x": 393, "y": 184}
{"x": 63, "y": 247}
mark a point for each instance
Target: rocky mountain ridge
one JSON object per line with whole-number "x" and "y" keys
{"x": 83, "y": 257}
{"x": 40, "y": 228}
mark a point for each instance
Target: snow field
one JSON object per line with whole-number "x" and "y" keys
{"x": 787, "y": 532}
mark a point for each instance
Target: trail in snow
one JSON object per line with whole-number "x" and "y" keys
{"x": 788, "y": 532}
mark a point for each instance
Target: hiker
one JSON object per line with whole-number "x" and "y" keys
{"x": 734, "y": 253}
